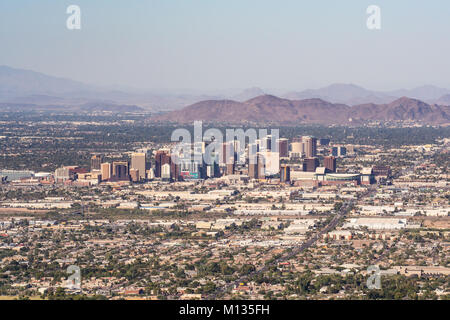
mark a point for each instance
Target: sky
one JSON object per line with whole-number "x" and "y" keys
{"x": 221, "y": 44}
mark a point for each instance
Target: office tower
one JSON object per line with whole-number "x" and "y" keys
{"x": 120, "y": 170}
{"x": 216, "y": 167}
{"x": 106, "y": 169}
{"x": 261, "y": 166}
{"x": 252, "y": 150}
{"x": 230, "y": 167}
{"x": 138, "y": 162}
{"x": 227, "y": 153}
{"x": 283, "y": 147}
{"x": 338, "y": 151}
{"x": 271, "y": 163}
{"x": 330, "y": 163}
{"x": 210, "y": 171}
{"x": 253, "y": 171}
{"x": 253, "y": 165}
{"x": 134, "y": 175}
{"x": 310, "y": 145}
{"x": 311, "y": 164}
{"x": 285, "y": 173}
{"x": 334, "y": 151}
{"x": 303, "y": 165}
{"x": 266, "y": 143}
{"x": 297, "y": 149}
{"x": 174, "y": 171}
{"x": 162, "y": 157}
{"x": 96, "y": 161}
{"x": 165, "y": 171}
{"x": 324, "y": 142}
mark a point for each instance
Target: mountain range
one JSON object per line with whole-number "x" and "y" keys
{"x": 353, "y": 95}
{"x": 26, "y": 89}
{"x": 269, "y": 108}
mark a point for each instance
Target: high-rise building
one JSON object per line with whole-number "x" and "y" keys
{"x": 334, "y": 151}
{"x": 261, "y": 166}
{"x": 253, "y": 166}
{"x": 283, "y": 147}
{"x": 138, "y": 162}
{"x": 227, "y": 154}
{"x": 297, "y": 149}
{"x": 134, "y": 175}
{"x": 285, "y": 173}
{"x": 230, "y": 167}
{"x": 338, "y": 151}
{"x": 151, "y": 174}
{"x": 162, "y": 157}
{"x": 165, "y": 171}
{"x": 120, "y": 170}
{"x": 96, "y": 161}
{"x": 174, "y": 171}
{"x": 252, "y": 150}
{"x": 310, "y": 145}
{"x": 324, "y": 141}
{"x": 311, "y": 164}
{"x": 330, "y": 163}
{"x": 106, "y": 169}
{"x": 271, "y": 162}
{"x": 266, "y": 143}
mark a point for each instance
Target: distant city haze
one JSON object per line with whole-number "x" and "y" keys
{"x": 212, "y": 46}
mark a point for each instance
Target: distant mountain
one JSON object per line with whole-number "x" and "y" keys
{"x": 19, "y": 82}
{"x": 248, "y": 94}
{"x": 444, "y": 100}
{"x": 33, "y": 90}
{"x": 342, "y": 93}
{"x": 39, "y": 91}
{"x": 353, "y": 95}
{"x": 268, "y": 108}
{"x": 265, "y": 108}
{"x": 426, "y": 93}
{"x": 402, "y": 109}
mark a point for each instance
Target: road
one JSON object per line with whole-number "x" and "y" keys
{"x": 339, "y": 216}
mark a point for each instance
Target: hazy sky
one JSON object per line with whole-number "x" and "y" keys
{"x": 219, "y": 44}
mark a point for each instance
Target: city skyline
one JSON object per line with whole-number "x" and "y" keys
{"x": 248, "y": 153}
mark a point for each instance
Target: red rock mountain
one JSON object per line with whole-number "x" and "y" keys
{"x": 403, "y": 109}
{"x": 268, "y": 108}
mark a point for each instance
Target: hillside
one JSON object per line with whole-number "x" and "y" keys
{"x": 268, "y": 108}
